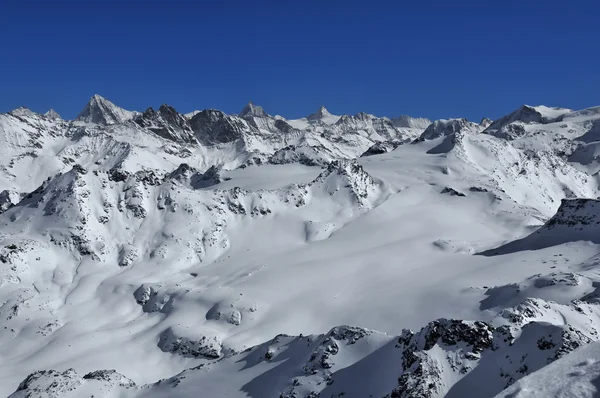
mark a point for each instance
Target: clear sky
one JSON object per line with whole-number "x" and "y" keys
{"x": 436, "y": 59}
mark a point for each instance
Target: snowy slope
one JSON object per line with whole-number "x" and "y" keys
{"x": 227, "y": 254}
{"x": 577, "y": 375}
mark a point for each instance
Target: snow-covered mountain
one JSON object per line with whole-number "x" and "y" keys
{"x": 101, "y": 111}
{"x": 151, "y": 254}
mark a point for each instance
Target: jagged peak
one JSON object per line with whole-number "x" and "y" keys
{"x": 321, "y": 113}
{"x": 190, "y": 176}
{"x": 350, "y": 175}
{"x": 251, "y": 110}
{"x": 166, "y": 108}
{"x": 485, "y": 122}
{"x": 445, "y": 127}
{"x": 360, "y": 116}
{"x": 528, "y": 114}
{"x": 22, "y": 111}
{"x": 99, "y": 110}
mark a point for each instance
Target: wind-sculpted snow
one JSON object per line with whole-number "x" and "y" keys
{"x": 445, "y": 358}
{"x": 172, "y": 248}
{"x": 104, "y": 217}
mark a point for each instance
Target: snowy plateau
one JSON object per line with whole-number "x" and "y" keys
{"x": 160, "y": 254}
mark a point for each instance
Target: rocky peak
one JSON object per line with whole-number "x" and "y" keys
{"x": 52, "y": 114}
{"x": 525, "y": 114}
{"x": 576, "y": 213}
{"x": 8, "y": 199}
{"x": 101, "y": 111}
{"x": 251, "y": 110}
{"x": 380, "y": 147}
{"x": 320, "y": 114}
{"x": 363, "y": 116}
{"x": 348, "y": 174}
{"x": 22, "y": 111}
{"x": 485, "y": 122}
{"x": 54, "y": 384}
{"x": 446, "y": 127}
{"x": 191, "y": 177}
{"x": 213, "y": 127}
{"x": 167, "y": 123}
{"x": 360, "y": 118}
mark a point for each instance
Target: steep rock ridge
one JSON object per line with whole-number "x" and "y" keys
{"x": 302, "y": 154}
{"x": 252, "y": 111}
{"x": 510, "y": 126}
{"x": 215, "y": 127}
{"x": 343, "y": 175}
{"x": 167, "y": 123}
{"x": 449, "y": 358}
{"x": 380, "y": 147}
{"x": 101, "y": 111}
{"x": 186, "y": 175}
{"x": 485, "y": 123}
{"x": 446, "y": 127}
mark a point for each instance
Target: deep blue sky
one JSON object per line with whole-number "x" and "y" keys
{"x": 435, "y": 59}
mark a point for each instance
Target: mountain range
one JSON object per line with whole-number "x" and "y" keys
{"x": 154, "y": 253}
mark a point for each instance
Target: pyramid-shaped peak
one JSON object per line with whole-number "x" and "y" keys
{"x": 52, "y": 114}
{"x": 320, "y": 114}
{"x": 251, "y": 110}
{"x": 99, "y": 110}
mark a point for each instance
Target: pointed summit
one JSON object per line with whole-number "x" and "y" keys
{"x": 322, "y": 113}
{"x": 251, "y": 110}
{"x": 52, "y": 114}
{"x": 101, "y": 111}
{"x": 486, "y": 122}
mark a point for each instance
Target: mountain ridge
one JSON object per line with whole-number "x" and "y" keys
{"x": 236, "y": 252}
